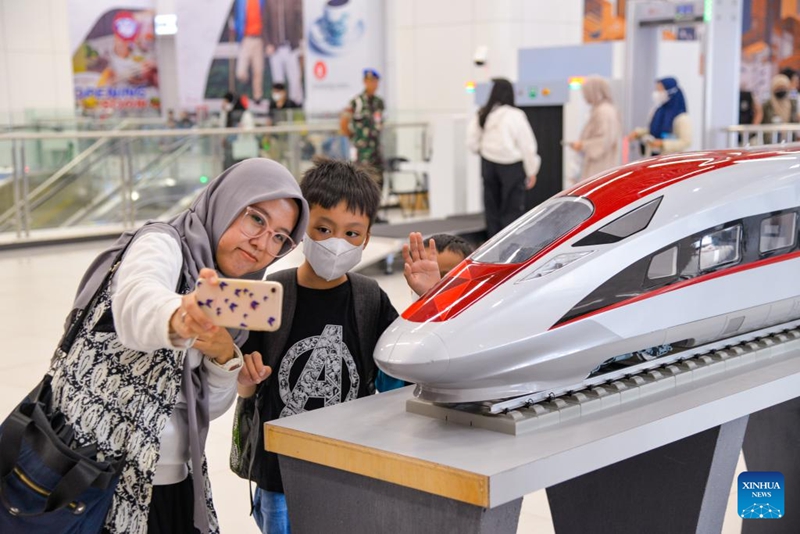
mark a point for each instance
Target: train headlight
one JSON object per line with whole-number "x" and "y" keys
{"x": 554, "y": 264}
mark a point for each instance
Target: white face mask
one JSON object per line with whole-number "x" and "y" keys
{"x": 331, "y": 258}
{"x": 660, "y": 97}
{"x": 276, "y": 96}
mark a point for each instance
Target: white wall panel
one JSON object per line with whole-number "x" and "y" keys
{"x": 400, "y": 13}
{"x": 59, "y": 27}
{"x": 444, "y": 65}
{"x": 27, "y": 25}
{"x": 443, "y": 12}
{"x": 31, "y": 82}
{"x": 405, "y": 77}
{"x": 545, "y": 34}
{"x": 498, "y": 10}
{"x": 63, "y": 87}
{"x": 5, "y": 106}
{"x": 552, "y": 10}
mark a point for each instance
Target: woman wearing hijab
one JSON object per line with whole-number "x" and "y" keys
{"x": 780, "y": 109}
{"x": 503, "y": 137}
{"x": 599, "y": 140}
{"x": 148, "y": 370}
{"x": 670, "y": 127}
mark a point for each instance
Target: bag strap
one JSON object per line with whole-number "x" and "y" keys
{"x": 80, "y": 477}
{"x": 366, "y": 302}
{"x": 79, "y": 315}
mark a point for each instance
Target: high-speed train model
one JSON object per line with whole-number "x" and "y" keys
{"x": 675, "y": 251}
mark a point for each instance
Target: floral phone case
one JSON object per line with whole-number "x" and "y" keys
{"x": 244, "y": 304}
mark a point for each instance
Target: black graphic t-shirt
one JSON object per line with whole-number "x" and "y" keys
{"x": 321, "y": 365}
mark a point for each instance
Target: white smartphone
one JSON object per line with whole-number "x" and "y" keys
{"x": 243, "y": 304}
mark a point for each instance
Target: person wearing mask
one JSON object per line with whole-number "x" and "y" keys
{"x": 279, "y": 102}
{"x": 670, "y": 128}
{"x": 332, "y": 319}
{"x": 501, "y": 134}
{"x": 794, "y": 79}
{"x": 750, "y": 111}
{"x": 159, "y": 370}
{"x": 779, "y": 108}
{"x": 599, "y": 140}
{"x": 225, "y": 109}
{"x": 242, "y": 146}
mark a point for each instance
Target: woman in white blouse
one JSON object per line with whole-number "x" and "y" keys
{"x": 503, "y": 137}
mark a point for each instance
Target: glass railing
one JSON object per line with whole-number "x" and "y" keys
{"x": 121, "y": 178}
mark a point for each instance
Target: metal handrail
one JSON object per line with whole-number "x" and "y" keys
{"x": 23, "y": 200}
{"x": 77, "y": 160}
{"x": 742, "y": 134}
{"x": 289, "y": 128}
{"x": 159, "y": 163}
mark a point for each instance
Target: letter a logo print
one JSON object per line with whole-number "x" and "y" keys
{"x": 321, "y": 377}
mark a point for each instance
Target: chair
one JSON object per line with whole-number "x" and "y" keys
{"x": 416, "y": 188}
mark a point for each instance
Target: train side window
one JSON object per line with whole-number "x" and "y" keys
{"x": 720, "y": 248}
{"x": 778, "y": 232}
{"x": 664, "y": 264}
{"x": 624, "y": 226}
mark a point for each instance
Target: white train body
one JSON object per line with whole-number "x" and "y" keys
{"x": 710, "y": 253}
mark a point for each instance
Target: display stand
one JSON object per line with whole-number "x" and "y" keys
{"x": 660, "y": 463}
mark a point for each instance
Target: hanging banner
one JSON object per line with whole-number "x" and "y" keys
{"x": 115, "y": 65}
{"x": 343, "y": 37}
{"x": 259, "y": 46}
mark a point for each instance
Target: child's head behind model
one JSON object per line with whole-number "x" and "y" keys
{"x": 343, "y": 200}
{"x": 451, "y": 250}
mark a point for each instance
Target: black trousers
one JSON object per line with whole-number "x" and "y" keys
{"x": 503, "y": 194}
{"x": 172, "y": 509}
{"x": 772, "y": 443}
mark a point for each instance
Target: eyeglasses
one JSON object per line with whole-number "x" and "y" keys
{"x": 255, "y": 223}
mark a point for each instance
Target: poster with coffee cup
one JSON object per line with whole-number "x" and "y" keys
{"x": 343, "y": 38}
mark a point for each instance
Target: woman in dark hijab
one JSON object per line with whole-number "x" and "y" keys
{"x": 148, "y": 370}
{"x": 670, "y": 128}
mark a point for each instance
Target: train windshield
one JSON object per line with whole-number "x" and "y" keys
{"x": 534, "y": 231}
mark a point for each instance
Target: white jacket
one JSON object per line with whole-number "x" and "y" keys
{"x": 506, "y": 138}
{"x": 143, "y": 300}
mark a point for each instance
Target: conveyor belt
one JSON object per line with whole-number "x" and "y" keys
{"x": 526, "y": 413}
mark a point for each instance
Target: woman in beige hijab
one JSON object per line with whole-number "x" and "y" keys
{"x": 599, "y": 141}
{"x": 780, "y": 109}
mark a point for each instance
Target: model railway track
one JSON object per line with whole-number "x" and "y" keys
{"x": 633, "y": 382}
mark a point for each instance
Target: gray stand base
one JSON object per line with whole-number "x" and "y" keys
{"x": 772, "y": 443}
{"x": 322, "y": 499}
{"x": 682, "y": 488}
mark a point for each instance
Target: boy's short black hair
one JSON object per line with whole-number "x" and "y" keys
{"x": 331, "y": 181}
{"x": 279, "y": 86}
{"x": 453, "y": 243}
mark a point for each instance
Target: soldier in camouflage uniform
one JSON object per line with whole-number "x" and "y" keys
{"x": 363, "y": 122}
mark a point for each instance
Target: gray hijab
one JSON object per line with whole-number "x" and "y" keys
{"x": 198, "y": 230}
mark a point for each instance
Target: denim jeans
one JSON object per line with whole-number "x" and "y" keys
{"x": 270, "y": 512}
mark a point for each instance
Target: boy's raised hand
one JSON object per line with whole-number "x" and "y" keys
{"x": 421, "y": 269}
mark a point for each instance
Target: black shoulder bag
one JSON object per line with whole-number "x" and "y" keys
{"x": 48, "y": 481}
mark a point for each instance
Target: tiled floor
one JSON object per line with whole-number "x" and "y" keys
{"x": 37, "y": 288}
